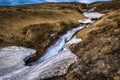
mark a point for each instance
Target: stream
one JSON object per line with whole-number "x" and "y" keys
{"x": 66, "y": 38}
{"x": 55, "y": 62}
{"x": 60, "y": 44}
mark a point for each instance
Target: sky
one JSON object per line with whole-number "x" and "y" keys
{"x": 21, "y": 2}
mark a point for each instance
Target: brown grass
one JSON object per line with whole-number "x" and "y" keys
{"x": 98, "y": 53}
{"x": 101, "y": 42}
{"x": 37, "y": 26}
{"x": 105, "y": 7}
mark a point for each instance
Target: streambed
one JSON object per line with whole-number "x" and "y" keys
{"x": 55, "y": 62}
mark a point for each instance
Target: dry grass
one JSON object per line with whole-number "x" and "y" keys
{"x": 105, "y": 7}
{"x": 101, "y": 42}
{"x": 107, "y": 27}
{"x": 37, "y": 26}
{"x": 98, "y": 53}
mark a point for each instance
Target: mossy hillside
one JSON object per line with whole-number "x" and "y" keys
{"x": 37, "y": 26}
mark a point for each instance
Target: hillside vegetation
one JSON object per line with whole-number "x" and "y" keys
{"x": 99, "y": 52}
{"x": 37, "y": 26}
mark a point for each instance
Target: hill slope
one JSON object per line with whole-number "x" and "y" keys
{"x": 37, "y": 26}
{"x": 99, "y": 52}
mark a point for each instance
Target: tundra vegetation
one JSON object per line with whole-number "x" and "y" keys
{"x": 39, "y": 26}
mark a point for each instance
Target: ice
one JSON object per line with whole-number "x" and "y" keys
{"x": 86, "y": 21}
{"x": 72, "y": 41}
{"x": 90, "y": 10}
{"x": 12, "y": 58}
{"x": 55, "y": 62}
{"x": 93, "y": 15}
{"x": 53, "y": 50}
{"x": 59, "y": 64}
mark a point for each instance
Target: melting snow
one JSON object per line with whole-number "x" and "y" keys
{"x": 53, "y": 50}
{"x": 93, "y": 15}
{"x": 57, "y": 64}
{"x": 54, "y": 63}
{"x": 90, "y": 10}
{"x": 12, "y": 58}
{"x": 86, "y": 21}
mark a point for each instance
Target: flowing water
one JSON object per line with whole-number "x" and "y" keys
{"x": 55, "y": 62}
{"x": 59, "y": 45}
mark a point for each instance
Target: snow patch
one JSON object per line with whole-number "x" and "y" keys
{"x": 54, "y": 66}
{"x": 93, "y": 15}
{"x": 12, "y": 58}
{"x": 86, "y": 21}
{"x": 54, "y": 63}
{"x": 53, "y": 50}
